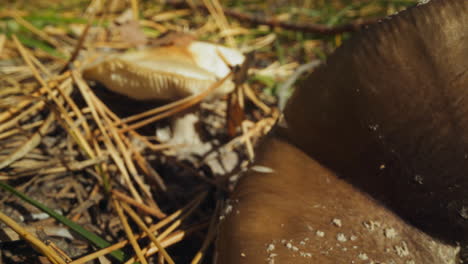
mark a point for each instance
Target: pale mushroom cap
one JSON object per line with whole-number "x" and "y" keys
{"x": 210, "y": 57}
{"x": 166, "y": 73}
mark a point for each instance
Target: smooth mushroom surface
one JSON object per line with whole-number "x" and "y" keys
{"x": 302, "y": 212}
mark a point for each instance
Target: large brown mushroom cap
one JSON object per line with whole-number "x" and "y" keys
{"x": 389, "y": 112}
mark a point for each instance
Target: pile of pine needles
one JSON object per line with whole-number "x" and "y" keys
{"x": 69, "y": 162}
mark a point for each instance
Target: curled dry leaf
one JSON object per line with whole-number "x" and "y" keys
{"x": 167, "y": 72}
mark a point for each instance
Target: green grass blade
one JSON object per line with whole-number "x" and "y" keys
{"x": 34, "y": 43}
{"x": 91, "y": 237}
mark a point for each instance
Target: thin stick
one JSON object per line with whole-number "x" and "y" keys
{"x": 36, "y": 243}
{"x": 86, "y": 92}
{"x": 135, "y": 9}
{"x": 177, "y": 106}
{"x": 36, "y": 31}
{"x": 143, "y": 226}
{"x": 30, "y": 144}
{"x": 210, "y": 236}
{"x": 78, "y": 47}
{"x": 129, "y": 232}
{"x": 63, "y": 112}
{"x": 302, "y": 27}
{"x": 152, "y": 211}
{"x": 174, "y": 238}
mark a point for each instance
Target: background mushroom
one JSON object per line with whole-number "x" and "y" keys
{"x": 169, "y": 72}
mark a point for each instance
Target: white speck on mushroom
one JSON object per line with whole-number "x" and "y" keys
{"x": 363, "y": 256}
{"x": 336, "y": 222}
{"x": 271, "y": 258}
{"x": 373, "y": 127}
{"x": 262, "y": 169}
{"x": 292, "y": 247}
{"x": 371, "y": 225}
{"x": 353, "y": 238}
{"x": 390, "y": 233}
{"x": 320, "y": 233}
{"x": 270, "y": 247}
{"x": 234, "y": 178}
{"x": 341, "y": 237}
{"x": 419, "y": 179}
{"x": 463, "y": 212}
{"x": 114, "y": 77}
{"x": 228, "y": 209}
{"x": 402, "y": 250}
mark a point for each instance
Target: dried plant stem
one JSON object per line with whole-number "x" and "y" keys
{"x": 24, "y": 103}
{"x": 30, "y": 144}
{"x": 149, "y": 171}
{"x": 78, "y": 46}
{"x": 302, "y": 27}
{"x": 2, "y": 42}
{"x": 29, "y": 111}
{"x": 137, "y": 155}
{"x": 143, "y": 226}
{"x": 216, "y": 11}
{"x": 211, "y": 234}
{"x": 73, "y": 166}
{"x": 37, "y": 31}
{"x": 172, "y": 239}
{"x": 63, "y": 112}
{"x": 254, "y": 99}
{"x": 15, "y": 131}
{"x": 134, "y": 9}
{"x": 264, "y": 124}
{"x": 129, "y": 232}
{"x": 36, "y": 243}
{"x": 247, "y": 140}
{"x": 75, "y": 110}
{"x": 119, "y": 139}
{"x": 172, "y": 108}
{"x": 152, "y": 211}
{"x": 87, "y": 95}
